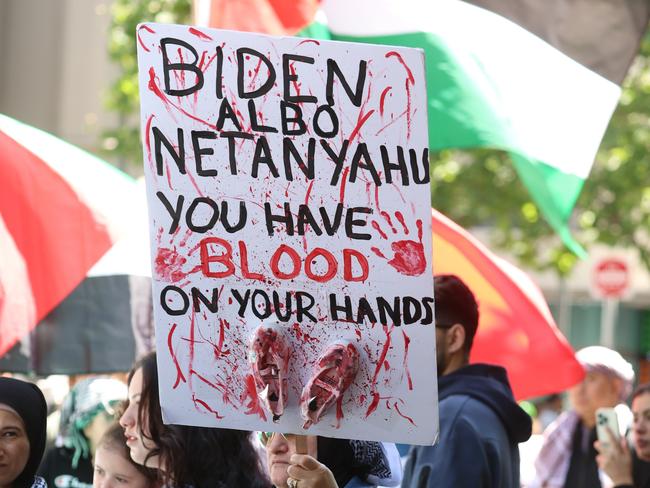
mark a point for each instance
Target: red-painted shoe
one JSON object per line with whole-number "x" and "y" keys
{"x": 334, "y": 373}
{"x": 269, "y": 355}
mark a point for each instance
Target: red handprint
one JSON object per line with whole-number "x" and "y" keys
{"x": 169, "y": 262}
{"x": 408, "y": 256}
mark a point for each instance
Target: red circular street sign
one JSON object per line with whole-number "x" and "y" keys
{"x": 611, "y": 277}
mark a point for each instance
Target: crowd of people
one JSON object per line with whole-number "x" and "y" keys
{"x": 112, "y": 435}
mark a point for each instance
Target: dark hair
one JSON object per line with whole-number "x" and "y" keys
{"x": 641, "y": 390}
{"x": 455, "y": 304}
{"x": 200, "y": 457}
{"x": 114, "y": 440}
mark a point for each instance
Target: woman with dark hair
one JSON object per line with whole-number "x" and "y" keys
{"x": 23, "y": 419}
{"x": 196, "y": 457}
{"x": 630, "y": 468}
{"x": 330, "y": 463}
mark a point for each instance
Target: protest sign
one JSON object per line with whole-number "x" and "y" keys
{"x": 288, "y": 190}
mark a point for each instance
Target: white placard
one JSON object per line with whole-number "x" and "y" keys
{"x": 288, "y": 187}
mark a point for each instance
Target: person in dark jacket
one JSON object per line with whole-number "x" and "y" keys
{"x": 23, "y": 417}
{"x": 480, "y": 422}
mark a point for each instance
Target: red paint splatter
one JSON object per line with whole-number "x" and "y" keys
{"x": 375, "y": 226}
{"x": 360, "y": 122}
{"x": 407, "y": 342}
{"x": 344, "y": 179}
{"x": 388, "y": 219}
{"x": 410, "y": 80}
{"x": 168, "y": 265}
{"x": 295, "y": 84}
{"x": 153, "y": 87}
{"x": 382, "y": 100}
{"x": 373, "y": 404}
{"x": 401, "y": 60}
{"x": 201, "y": 61}
{"x": 217, "y": 386}
{"x": 409, "y": 258}
{"x": 384, "y": 351}
{"x": 404, "y": 416}
{"x": 308, "y": 192}
{"x": 200, "y": 34}
{"x": 408, "y": 108}
{"x": 192, "y": 342}
{"x": 400, "y": 218}
{"x": 169, "y": 176}
{"x": 182, "y": 74}
{"x": 256, "y": 72}
{"x": 339, "y": 411}
{"x": 148, "y": 29}
{"x": 147, "y": 138}
{"x": 212, "y": 58}
{"x": 218, "y": 348}
{"x": 254, "y": 406}
{"x": 198, "y": 401}
{"x": 179, "y": 373}
{"x": 378, "y": 252}
{"x": 184, "y": 239}
{"x": 377, "y": 196}
{"x": 390, "y": 123}
{"x": 308, "y": 40}
{"x": 301, "y": 335}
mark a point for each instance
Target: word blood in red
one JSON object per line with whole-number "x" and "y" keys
{"x": 285, "y": 263}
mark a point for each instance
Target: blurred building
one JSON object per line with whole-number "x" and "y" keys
{"x": 55, "y": 66}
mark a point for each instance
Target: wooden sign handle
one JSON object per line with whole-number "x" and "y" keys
{"x": 301, "y": 444}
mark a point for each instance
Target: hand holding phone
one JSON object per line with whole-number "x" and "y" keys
{"x": 606, "y": 419}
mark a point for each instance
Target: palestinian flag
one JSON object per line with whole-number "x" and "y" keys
{"x": 539, "y": 79}
{"x": 66, "y": 218}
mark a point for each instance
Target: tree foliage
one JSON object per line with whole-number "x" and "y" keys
{"x": 475, "y": 188}
{"x": 123, "y": 141}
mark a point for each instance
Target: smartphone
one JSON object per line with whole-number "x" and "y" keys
{"x": 606, "y": 417}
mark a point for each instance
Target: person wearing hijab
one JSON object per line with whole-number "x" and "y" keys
{"x": 87, "y": 411}
{"x": 23, "y": 425}
{"x": 567, "y": 458}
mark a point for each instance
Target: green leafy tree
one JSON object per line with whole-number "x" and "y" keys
{"x": 475, "y": 188}
{"x": 122, "y": 143}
